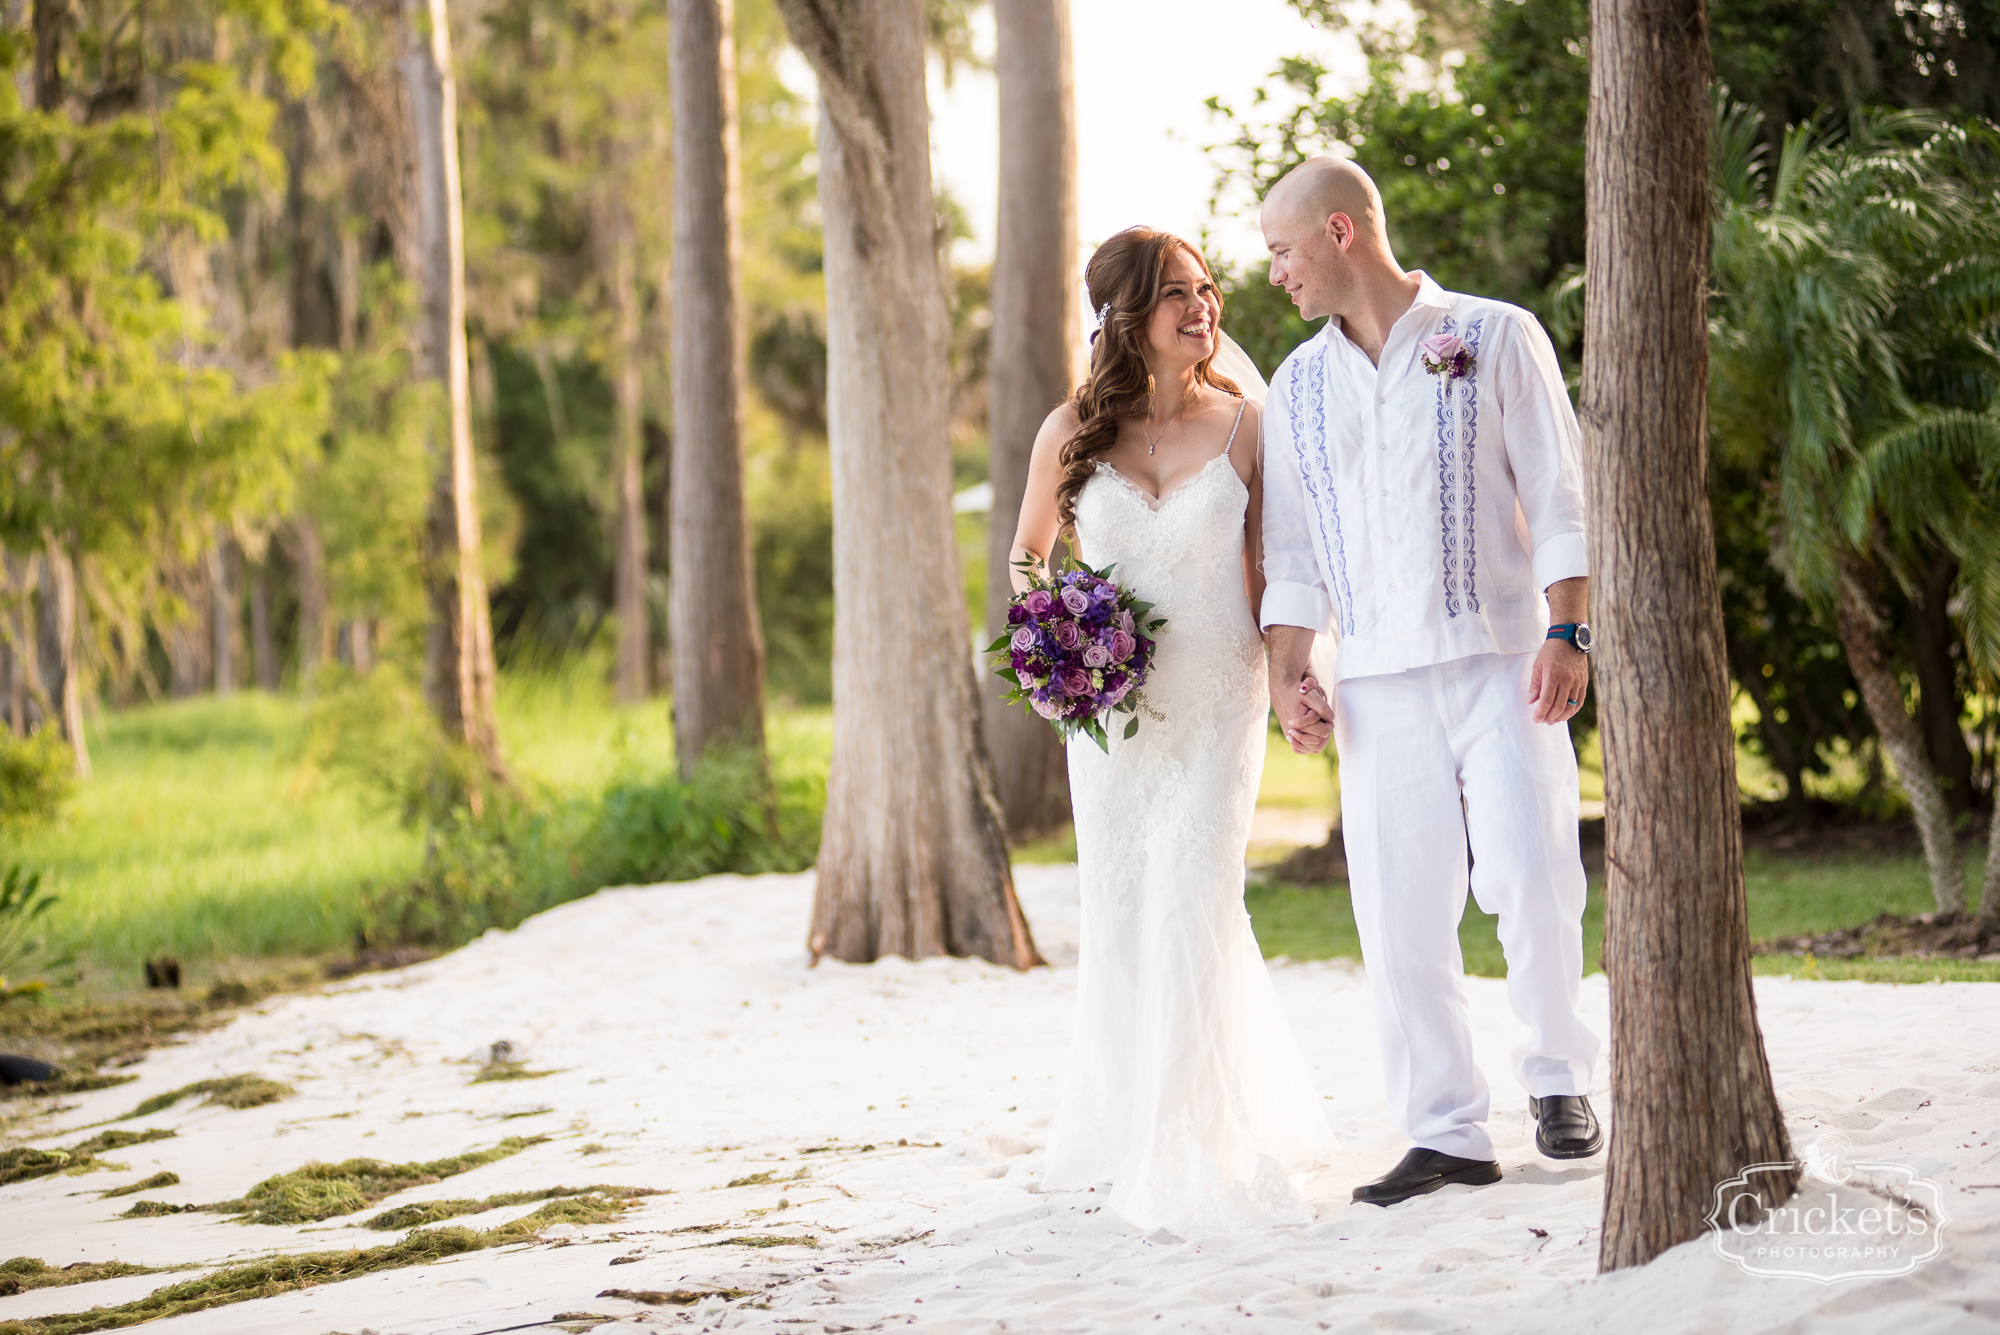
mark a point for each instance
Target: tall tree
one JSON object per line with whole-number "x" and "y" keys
{"x": 913, "y": 859}
{"x": 1035, "y": 350}
{"x": 718, "y": 646}
{"x": 618, "y": 256}
{"x": 458, "y": 661}
{"x": 1689, "y": 1077}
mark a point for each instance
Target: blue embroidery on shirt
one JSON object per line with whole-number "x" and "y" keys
{"x": 1457, "y": 485}
{"x": 1308, "y": 396}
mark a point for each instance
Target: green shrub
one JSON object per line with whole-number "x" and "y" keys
{"x": 526, "y": 852}
{"x": 22, "y": 903}
{"x": 37, "y": 776}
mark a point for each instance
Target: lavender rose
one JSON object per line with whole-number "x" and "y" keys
{"x": 1067, "y": 635}
{"x": 1039, "y": 602}
{"x": 1023, "y": 640}
{"x": 1096, "y": 656}
{"x": 1125, "y": 622}
{"x": 1046, "y": 707}
{"x": 1074, "y": 681}
{"x": 1446, "y": 355}
{"x": 1122, "y": 645}
{"x": 1076, "y": 600}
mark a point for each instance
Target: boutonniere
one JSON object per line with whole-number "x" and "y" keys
{"x": 1446, "y": 355}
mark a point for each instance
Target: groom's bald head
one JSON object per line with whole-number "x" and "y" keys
{"x": 1312, "y": 192}
{"x": 1323, "y": 223}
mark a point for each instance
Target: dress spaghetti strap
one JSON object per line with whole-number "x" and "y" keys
{"x": 1232, "y": 428}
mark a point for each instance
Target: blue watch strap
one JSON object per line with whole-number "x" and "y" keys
{"x": 1564, "y": 630}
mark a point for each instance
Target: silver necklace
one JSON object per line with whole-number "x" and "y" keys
{"x": 1153, "y": 441}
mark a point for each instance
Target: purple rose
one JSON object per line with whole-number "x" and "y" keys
{"x": 1046, "y": 707}
{"x": 1096, "y": 656}
{"x": 1074, "y": 681}
{"x": 1122, "y": 645}
{"x": 1113, "y": 693}
{"x": 1076, "y": 600}
{"x": 1024, "y": 639}
{"x": 1125, "y": 622}
{"x": 1067, "y": 635}
{"x": 1038, "y": 602}
{"x": 1446, "y": 354}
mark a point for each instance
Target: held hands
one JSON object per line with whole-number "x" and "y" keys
{"x": 1305, "y": 714}
{"x": 1557, "y": 685}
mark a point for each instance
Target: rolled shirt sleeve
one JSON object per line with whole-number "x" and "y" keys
{"x": 1295, "y": 592}
{"x": 1544, "y": 450}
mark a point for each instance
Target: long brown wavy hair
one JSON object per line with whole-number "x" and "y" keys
{"x": 1125, "y": 276}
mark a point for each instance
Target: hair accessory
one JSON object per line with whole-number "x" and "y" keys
{"x": 1103, "y": 315}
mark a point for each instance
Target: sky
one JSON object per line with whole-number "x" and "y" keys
{"x": 1143, "y": 68}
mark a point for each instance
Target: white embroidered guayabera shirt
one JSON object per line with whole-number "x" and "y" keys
{"x": 1417, "y": 517}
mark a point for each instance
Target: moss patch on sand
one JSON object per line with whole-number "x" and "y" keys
{"x": 152, "y": 1183}
{"x": 25, "y": 1162}
{"x": 285, "y": 1274}
{"x": 27, "y": 1272}
{"x": 323, "y": 1190}
{"x": 423, "y": 1213}
{"x": 231, "y": 1091}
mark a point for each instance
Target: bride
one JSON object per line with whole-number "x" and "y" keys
{"x": 1186, "y": 1092}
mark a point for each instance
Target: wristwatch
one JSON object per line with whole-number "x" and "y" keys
{"x": 1576, "y": 632}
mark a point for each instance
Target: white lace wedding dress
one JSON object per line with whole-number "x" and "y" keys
{"x": 1186, "y": 1091}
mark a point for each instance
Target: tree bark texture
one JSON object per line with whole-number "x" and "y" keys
{"x": 25, "y": 698}
{"x": 1932, "y": 638}
{"x": 222, "y": 614}
{"x": 1866, "y": 642}
{"x": 1691, "y": 1089}
{"x": 1035, "y": 351}
{"x": 712, "y": 605}
{"x": 913, "y": 857}
{"x": 618, "y": 262}
{"x": 459, "y": 667}
{"x": 65, "y": 685}
{"x": 263, "y": 652}
{"x": 315, "y": 631}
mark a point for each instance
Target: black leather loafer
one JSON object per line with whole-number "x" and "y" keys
{"x": 1565, "y": 1127}
{"x": 1424, "y": 1171}
{"x": 24, "y": 1070}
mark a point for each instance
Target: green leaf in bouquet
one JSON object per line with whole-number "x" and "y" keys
{"x": 1008, "y": 674}
{"x": 1095, "y": 730}
{"x": 1131, "y": 729}
{"x": 1000, "y": 643}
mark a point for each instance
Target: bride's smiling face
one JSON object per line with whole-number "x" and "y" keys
{"x": 1186, "y": 325}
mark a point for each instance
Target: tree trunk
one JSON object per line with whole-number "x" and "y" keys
{"x": 459, "y": 670}
{"x": 263, "y": 653}
{"x": 59, "y": 597}
{"x": 1868, "y": 656}
{"x": 1690, "y": 1086}
{"x": 48, "y": 21}
{"x": 1939, "y": 706}
{"x": 618, "y": 261}
{"x": 913, "y": 856}
{"x": 1035, "y": 350}
{"x": 314, "y": 628}
{"x": 222, "y": 616}
{"x": 712, "y": 606}
{"x": 24, "y": 683}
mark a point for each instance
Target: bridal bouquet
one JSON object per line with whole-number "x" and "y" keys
{"x": 1077, "y": 649}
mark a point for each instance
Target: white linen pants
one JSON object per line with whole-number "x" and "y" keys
{"x": 1430, "y": 760}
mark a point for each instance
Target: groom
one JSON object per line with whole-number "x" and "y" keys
{"x": 1423, "y": 499}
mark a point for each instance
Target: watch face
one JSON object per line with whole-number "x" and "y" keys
{"x": 1583, "y": 640}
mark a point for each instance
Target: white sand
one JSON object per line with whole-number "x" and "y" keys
{"x": 692, "y": 1041}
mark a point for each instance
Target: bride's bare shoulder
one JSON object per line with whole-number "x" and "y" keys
{"x": 1059, "y": 427}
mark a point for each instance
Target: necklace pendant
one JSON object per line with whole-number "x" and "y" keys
{"x": 1149, "y": 449}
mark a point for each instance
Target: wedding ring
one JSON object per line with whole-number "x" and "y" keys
{"x": 1574, "y": 702}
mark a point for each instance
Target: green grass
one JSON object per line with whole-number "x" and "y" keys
{"x": 205, "y": 834}
{"x": 200, "y": 836}
{"x": 1786, "y": 897}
